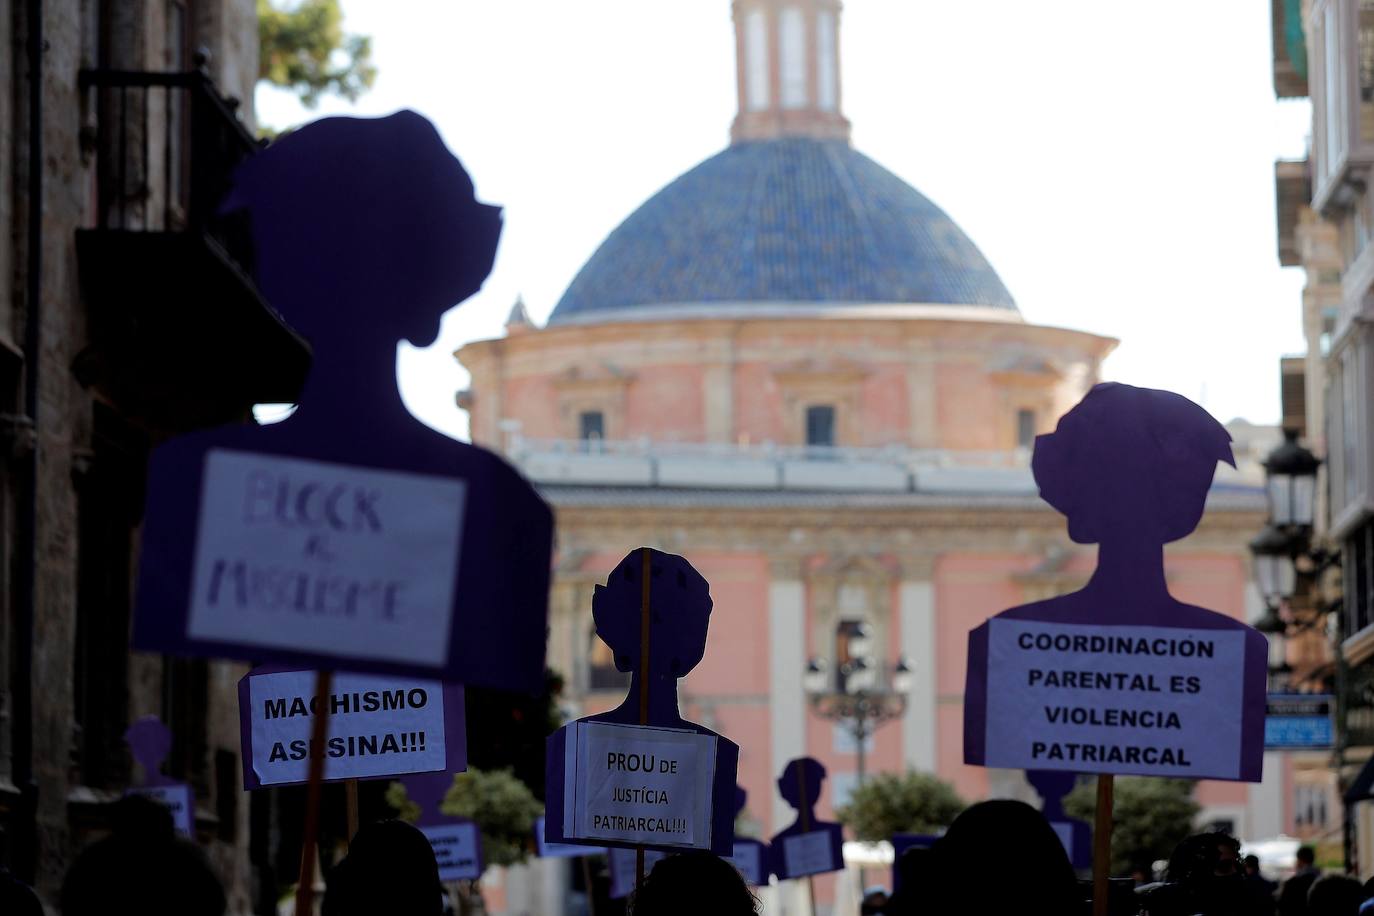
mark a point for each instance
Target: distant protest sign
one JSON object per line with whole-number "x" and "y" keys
{"x": 751, "y": 858}
{"x": 150, "y": 741}
{"x": 457, "y": 849}
{"x": 1121, "y": 677}
{"x": 179, "y": 801}
{"x": 640, "y": 774}
{"x": 808, "y": 846}
{"x": 638, "y": 784}
{"x": 377, "y": 727}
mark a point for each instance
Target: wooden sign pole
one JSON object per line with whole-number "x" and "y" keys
{"x": 805, "y": 812}
{"x": 644, "y": 575}
{"x": 351, "y": 799}
{"x": 319, "y": 732}
{"x": 1102, "y": 844}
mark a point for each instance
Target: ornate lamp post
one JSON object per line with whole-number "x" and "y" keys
{"x": 860, "y": 694}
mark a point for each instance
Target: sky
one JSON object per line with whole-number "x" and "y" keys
{"x": 1114, "y": 162}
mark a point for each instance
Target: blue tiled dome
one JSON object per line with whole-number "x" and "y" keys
{"x": 785, "y": 221}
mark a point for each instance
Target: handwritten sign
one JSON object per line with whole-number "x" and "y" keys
{"x": 1151, "y": 701}
{"x": 637, "y": 784}
{"x": 378, "y": 727}
{"x": 622, "y": 867}
{"x": 751, "y": 858}
{"x": 810, "y": 853}
{"x": 457, "y": 848}
{"x": 328, "y": 558}
{"x": 547, "y": 850}
{"x": 176, "y": 797}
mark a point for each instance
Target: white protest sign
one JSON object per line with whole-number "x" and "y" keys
{"x": 378, "y": 726}
{"x": 623, "y": 867}
{"x": 808, "y": 853}
{"x": 176, "y": 798}
{"x": 748, "y": 859}
{"x": 457, "y": 849}
{"x": 1162, "y": 701}
{"x": 328, "y": 558}
{"x": 637, "y": 784}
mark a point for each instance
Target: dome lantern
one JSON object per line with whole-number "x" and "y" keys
{"x": 788, "y": 55}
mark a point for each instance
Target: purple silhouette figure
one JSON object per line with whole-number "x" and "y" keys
{"x": 679, "y": 614}
{"x": 751, "y": 855}
{"x": 1052, "y": 786}
{"x": 365, "y": 231}
{"x": 1130, "y": 468}
{"x": 149, "y": 744}
{"x": 442, "y": 830}
{"x": 808, "y": 846}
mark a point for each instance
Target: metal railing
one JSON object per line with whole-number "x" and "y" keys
{"x": 166, "y": 146}
{"x": 646, "y": 448}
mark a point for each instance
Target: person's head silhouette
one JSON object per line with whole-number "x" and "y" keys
{"x": 690, "y": 883}
{"x": 803, "y": 774}
{"x": 365, "y": 229}
{"x": 1039, "y": 872}
{"x": 1130, "y": 463}
{"x": 679, "y": 613}
{"x": 390, "y": 868}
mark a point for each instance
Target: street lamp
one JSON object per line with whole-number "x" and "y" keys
{"x": 1276, "y": 576}
{"x": 1291, "y": 483}
{"x": 857, "y": 695}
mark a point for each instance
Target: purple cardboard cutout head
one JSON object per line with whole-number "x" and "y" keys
{"x": 805, "y": 774}
{"x": 1130, "y": 462}
{"x": 679, "y": 613}
{"x": 1131, "y": 469}
{"x": 149, "y": 743}
{"x": 378, "y": 204}
{"x": 808, "y": 846}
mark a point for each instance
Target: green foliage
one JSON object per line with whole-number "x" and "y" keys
{"x": 1150, "y": 816}
{"x": 303, "y": 48}
{"x": 501, "y": 805}
{"x": 891, "y": 803}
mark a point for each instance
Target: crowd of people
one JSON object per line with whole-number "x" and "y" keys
{"x": 998, "y": 857}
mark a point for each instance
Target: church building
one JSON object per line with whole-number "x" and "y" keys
{"x": 796, "y": 370}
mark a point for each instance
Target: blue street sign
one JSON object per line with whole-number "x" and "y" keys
{"x": 1299, "y": 720}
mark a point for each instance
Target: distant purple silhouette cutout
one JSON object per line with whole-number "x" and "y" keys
{"x": 365, "y": 232}
{"x": 680, "y": 612}
{"x": 457, "y": 841}
{"x": 1077, "y": 835}
{"x": 1121, "y": 677}
{"x": 149, "y": 744}
{"x": 751, "y": 855}
{"x": 808, "y": 846}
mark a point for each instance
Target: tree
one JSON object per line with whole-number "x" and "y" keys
{"x": 1150, "y": 816}
{"x": 304, "y": 48}
{"x": 892, "y": 803}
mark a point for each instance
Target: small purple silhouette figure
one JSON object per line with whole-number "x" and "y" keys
{"x": 365, "y": 231}
{"x": 808, "y": 846}
{"x": 149, "y": 744}
{"x": 679, "y": 615}
{"x": 1052, "y": 786}
{"x": 1130, "y": 468}
{"x": 751, "y": 855}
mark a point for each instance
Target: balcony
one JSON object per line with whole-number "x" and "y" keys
{"x": 179, "y": 335}
{"x": 686, "y": 465}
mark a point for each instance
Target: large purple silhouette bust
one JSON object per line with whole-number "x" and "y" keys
{"x": 679, "y": 614}
{"x": 1121, "y": 677}
{"x": 351, "y": 534}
